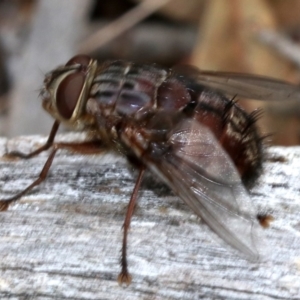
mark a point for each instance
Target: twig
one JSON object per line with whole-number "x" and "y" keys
{"x": 281, "y": 44}
{"x": 125, "y": 22}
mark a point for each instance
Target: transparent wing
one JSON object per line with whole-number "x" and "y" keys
{"x": 242, "y": 85}
{"x": 199, "y": 171}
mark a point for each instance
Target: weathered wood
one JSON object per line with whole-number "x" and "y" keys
{"x": 63, "y": 240}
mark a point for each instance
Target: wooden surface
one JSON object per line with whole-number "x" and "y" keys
{"x": 63, "y": 240}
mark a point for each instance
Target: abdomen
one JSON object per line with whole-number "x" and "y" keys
{"x": 146, "y": 93}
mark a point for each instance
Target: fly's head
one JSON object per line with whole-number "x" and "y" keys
{"x": 66, "y": 90}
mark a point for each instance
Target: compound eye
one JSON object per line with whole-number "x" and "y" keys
{"x": 68, "y": 93}
{"x": 81, "y": 59}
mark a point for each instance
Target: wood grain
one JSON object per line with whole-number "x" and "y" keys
{"x": 63, "y": 240}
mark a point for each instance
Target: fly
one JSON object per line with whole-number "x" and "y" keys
{"x": 178, "y": 124}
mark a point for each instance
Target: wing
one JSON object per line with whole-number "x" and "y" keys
{"x": 201, "y": 173}
{"x": 242, "y": 85}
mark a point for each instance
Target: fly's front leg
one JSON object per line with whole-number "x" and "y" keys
{"x": 89, "y": 147}
{"x": 45, "y": 147}
{"x": 4, "y": 203}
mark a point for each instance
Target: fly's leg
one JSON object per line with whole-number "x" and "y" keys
{"x": 124, "y": 276}
{"x": 5, "y": 202}
{"x": 89, "y": 147}
{"x": 46, "y": 146}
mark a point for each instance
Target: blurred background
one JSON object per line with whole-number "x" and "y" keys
{"x": 257, "y": 36}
